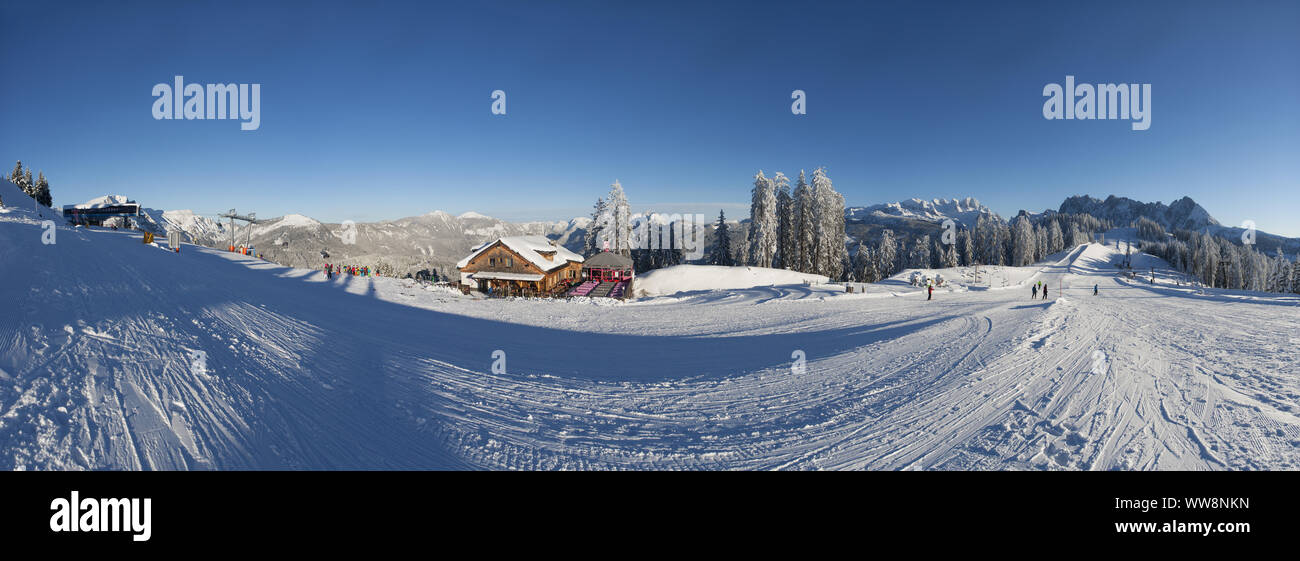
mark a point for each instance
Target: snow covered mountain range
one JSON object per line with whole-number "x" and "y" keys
{"x": 438, "y": 239}
{"x": 435, "y": 240}
{"x": 1182, "y": 214}
{"x": 963, "y": 211}
{"x": 912, "y": 217}
{"x": 429, "y": 241}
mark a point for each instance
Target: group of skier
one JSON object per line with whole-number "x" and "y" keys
{"x": 1034, "y": 290}
{"x": 332, "y": 271}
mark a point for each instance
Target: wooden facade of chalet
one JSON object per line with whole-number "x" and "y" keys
{"x": 502, "y": 270}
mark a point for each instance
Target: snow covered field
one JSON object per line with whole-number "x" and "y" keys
{"x": 118, "y": 355}
{"x": 687, "y": 278}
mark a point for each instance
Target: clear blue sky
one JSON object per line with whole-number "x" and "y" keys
{"x": 379, "y": 110}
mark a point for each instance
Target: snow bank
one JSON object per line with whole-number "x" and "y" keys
{"x": 684, "y": 278}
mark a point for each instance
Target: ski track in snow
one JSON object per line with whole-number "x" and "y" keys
{"x": 100, "y": 335}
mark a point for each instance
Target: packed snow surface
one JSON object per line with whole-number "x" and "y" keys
{"x": 119, "y": 355}
{"x": 685, "y": 278}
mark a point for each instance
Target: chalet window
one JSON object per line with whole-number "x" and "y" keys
{"x": 510, "y": 261}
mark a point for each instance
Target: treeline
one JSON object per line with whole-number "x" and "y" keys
{"x": 38, "y": 189}
{"x": 992, "y": 242}
{"x": 804, "y": 230}
{"x": 1218, "y": 262}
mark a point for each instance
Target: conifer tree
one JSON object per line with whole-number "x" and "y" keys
{"x": 762, "y": 234}
{"x": 722, "y": 243}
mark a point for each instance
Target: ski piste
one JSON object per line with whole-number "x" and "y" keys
{"x": 121, "y": 355}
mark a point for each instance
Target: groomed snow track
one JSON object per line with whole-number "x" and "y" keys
{"x": 123, "y": 356}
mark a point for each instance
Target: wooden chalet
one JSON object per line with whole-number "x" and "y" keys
{"x": 520, "y": 266}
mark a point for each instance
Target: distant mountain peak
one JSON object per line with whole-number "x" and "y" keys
{"x": 107, "y": 200}
{"x": 1183, "y": 213}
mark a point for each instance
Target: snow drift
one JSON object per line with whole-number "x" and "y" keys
{"x": 686, "y": 278}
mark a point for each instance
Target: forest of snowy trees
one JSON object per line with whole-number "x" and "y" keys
{"x": 992, "y": 242}
{"x": 801, "y": 231}
{"x": 1218, "y": 262}
{"x": 38, "y": 189}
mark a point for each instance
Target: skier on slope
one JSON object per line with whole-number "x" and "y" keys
{"x": 931, "y": 294}
{"x": 1033, "y": 289}
{"x": 1044, "y": 291}
{"x": 1094, "y": 290}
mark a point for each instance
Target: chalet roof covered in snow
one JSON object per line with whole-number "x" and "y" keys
{"x": 532, "y": 248}
{"x": 607, "y": 260}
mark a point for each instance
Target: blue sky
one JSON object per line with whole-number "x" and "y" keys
{"x": 379, "y": 110}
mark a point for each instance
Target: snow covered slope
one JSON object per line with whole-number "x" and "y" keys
{"x": 685, "y": 278}
{"x": 118, "y": 355}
